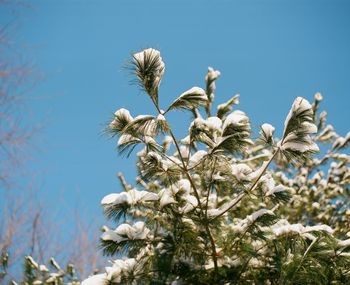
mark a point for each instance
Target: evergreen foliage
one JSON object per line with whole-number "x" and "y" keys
{"x": 217, "y": 207}
{"x": 40, "y": 274}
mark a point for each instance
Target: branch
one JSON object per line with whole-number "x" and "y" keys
{"x": 205, "y": 220}
{"x": 122, "y": 180}
{"x": 239, "y": 198}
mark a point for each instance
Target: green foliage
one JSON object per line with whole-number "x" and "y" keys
{"x": 39, "y": 274}
{"x": 223, "y": 208}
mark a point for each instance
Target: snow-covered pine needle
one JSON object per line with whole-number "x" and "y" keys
{"x": 192, "y": 98}
{"x": 149, "y": 69}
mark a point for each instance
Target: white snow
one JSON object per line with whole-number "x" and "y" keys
{"x": 318, "y": 96}
{"x": 114, "y": 273}
{"x": 319, "y": 228}
{"x": 123, "y": 113}
{"x": 267, "y": 183}
{"x": 109, "y": 234}
{"x": 147, "y": 53}
{"x": 189, "y": 222}
{"x": 249, "y": 220}
{"x": 160, "y": 117}
{"x": 299, "y": 105}
{"x": 241, "y": 171}
{"x": 184, "y": 185}
{"x": 191, "y": 203}
{"x": 184, "y": 151}
{"x": 292, "y": 142}
{"x": 255, "y": 174}
{"x": 98, "y": 279}
{"x": 262, "y": 157}
{"x": 286, "y": 229}
{"x": 131, "y": 197}
{"x": 54, "y": 263}
{"x": 316, "y": 205}
{"x": 198, "y": 122}
{"x": 117, "y": 198}
{"x": 167, "y": 163}
{"x": 339, "y": 142}
{"x": 142, "y": 152}
{"x": 126, "y": 139}
{"x": 32, "y": 262}
{"x": 123, "y": 229}
{"x": 186, "y": 140}
{"x": 166, "y": 197}
{"x": 253, "y": 217}
{"x": 309, "y": 127}
{"x": 309, "y": 236}
{"x": 212, "y": 74}
{"x": 327, "y": 133}
{"x": 149, "y": 140}
{"x": 212, "y": 213}
{"x": 278, "y": 188}
{"x": 196, "y": 157}
{"x": 283, "y": 227}
{"x": 214, "y": 123}
{"x": 144, "y": 196}
{"x": 150, "y": 123}
{"x": 141, "y": 117}
{"x": 172, "y": 161}
{"x": 119, "y": 267}
{"x": 316, "y": 178}
{"x": 344, "y": 243}
{"x": 139, "y": 231}
{"x": 300, "y": 146}
{"x": 237, "y": 117}
{"x": 347, "y": 137}
{"x": 127, "y": 232}
{"x": 195, "y": 90}
{"x": 43, "y": 268}
{"x": 227, "y": 105}
{"x": 268, "y": 130}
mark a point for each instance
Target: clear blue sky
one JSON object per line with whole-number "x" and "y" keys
{"x": 268, "y": 51}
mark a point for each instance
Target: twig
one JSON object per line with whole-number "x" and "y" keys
{"x": 203, "y": 217}
{"x": 250, "y": 189}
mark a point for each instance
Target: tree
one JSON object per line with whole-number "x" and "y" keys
{"x": 20, "y": 221}
{"x": 217, "y": 207}
{"x": 26, "y": 227}
{"x": 36, "y": 274}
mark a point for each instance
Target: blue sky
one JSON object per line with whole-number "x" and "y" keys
{"x": 268, "y": 51}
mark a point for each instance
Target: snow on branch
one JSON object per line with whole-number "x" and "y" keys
{"x": 149, "y": 69}
{"x": 223, "y": 205}
{"x": 298, "y": 128}
{"x": 192, "y": 98}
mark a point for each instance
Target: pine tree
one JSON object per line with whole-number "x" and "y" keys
{"x": 217, "y": 207}
{"x": 39, "y": 274}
